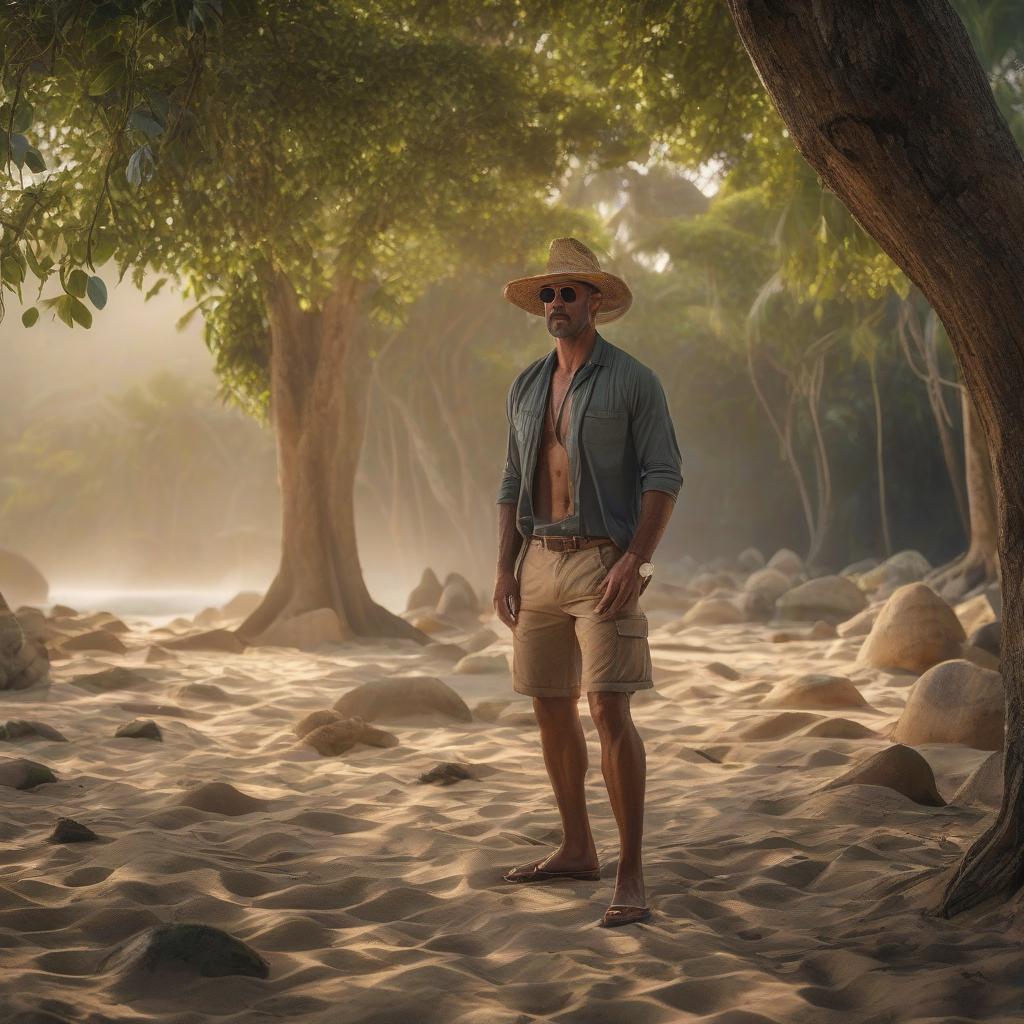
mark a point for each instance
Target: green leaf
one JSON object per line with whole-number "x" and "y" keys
{"x": 155, "y": 290}
{"x": 102, "y": 248}
{"x": 78, "y": 280}
{"x": 11, "y": 270}
{"x": 64, "y": 309}
{"x": 35, "y": 160}
{"x": 107, "y": 77}
{"x": 30, "y": 316}
{"x": 80, "y": 313}
{"x": 19, "y": 147}
{"x": 97, "y": 291}
{"x": 140, "y": 166}
{"x": 144, "y": 123}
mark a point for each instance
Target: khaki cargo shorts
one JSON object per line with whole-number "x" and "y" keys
{"x": 559, "y": 646}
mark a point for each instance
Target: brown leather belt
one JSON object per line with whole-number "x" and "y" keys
{"x": 569, "y": 543}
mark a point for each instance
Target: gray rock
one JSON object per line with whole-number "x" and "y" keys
{"x": 196, "y": 949}
{"x": 140, "y": 729}
{"x": 18, "y": 728}
{"x": 831, "y": 598}
{"x": 67, "y": 830}
{"x": 750, "y": 559}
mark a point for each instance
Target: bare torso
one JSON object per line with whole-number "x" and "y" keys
{"x": 552, "y": 489}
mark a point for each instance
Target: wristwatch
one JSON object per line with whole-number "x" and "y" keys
{"x": 646, "y": 569}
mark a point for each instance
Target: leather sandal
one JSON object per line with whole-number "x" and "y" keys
{"x": 535, "y": 873}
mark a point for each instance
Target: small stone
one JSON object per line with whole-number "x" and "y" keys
{"x": 18, "y": 728}
{"x": 447, "y": 773}
{"x": 21, "y": 773}
{"x": 140, "y": 729}
{"x": 67, "y": 830}
{"x": 97, "y": 640}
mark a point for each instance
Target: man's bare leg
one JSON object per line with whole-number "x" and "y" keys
{"x": 565, "y": 757}
{"x": 624, "y": 766}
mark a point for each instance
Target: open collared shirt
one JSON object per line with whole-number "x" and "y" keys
{"x": 620, "y": 443}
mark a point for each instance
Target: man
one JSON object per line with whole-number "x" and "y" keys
{"x": 591, "y": 478}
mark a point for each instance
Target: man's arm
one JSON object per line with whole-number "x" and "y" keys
{"x": 510, "y": 540}
{"x": 661, "y": 477}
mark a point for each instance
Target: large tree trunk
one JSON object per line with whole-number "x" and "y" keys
{"x": 890, "y": 105}
{"x": 979, "y": 564}
{"x": 318, "y": 379}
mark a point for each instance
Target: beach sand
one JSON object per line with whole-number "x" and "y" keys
{"x": 374, "y": 898}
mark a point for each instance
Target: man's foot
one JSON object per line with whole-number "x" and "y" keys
{"x": 556, "y": 865}
{"x": 617, "y": 915}
{"x": 628, "y": 896}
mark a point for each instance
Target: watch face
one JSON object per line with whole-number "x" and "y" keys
{"x": 647, "y": 569}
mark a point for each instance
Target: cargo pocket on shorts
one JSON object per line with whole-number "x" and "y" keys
{"x": 634, "y": 651}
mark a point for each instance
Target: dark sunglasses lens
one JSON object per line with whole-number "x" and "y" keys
{"x": 568, "y": 294}
{"x": 547, "y": 294}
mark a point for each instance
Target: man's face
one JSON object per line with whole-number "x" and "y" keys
{"x": 566, "y": 319}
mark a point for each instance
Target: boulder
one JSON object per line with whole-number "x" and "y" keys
{"x": 954, "y": 702}
{"x": 444, "y": 651}
{"x": 984, "y": 786}
{"x": 457, "y": 598}
{"x": 490, "y": 710}
{"x": 140, "y": 729}
{"x": 19, "y": 728}
{"x": 20, "y": 581}
{"x": 831, "y": 598}
{"x": 97, "y": 640}
{"x": 481, "y": 663}
{"x": 750, "y": 560}
{"x": 897, "y": 767}
{"x": 979, "y": 656}
{"x": 23, "y": 662}
{"x": 183, "y": 949}
{"x": 223, "y": 640}
{"x": 861, "y": 623}
{"x": 974, "y": 613}
{"x": 712, "y": 611}
{"x": 857, "y": 569}
{"x": 914, "y": 630}
{"x": 755, "y": 605}
{"x": 988, "y": 637}
{"x": 786, "y": 561}
{"x": 426, "y": 593}
{"x": 67, "y": 830}
{"x": 479, "y": 640}
{"x": 399, "y": 697}
{"x": 305, "y": 632}
{"x": 907, "y": 566}
{"x": 770, "y": 582}
{"x": 334, "y": 738}
{"x": 815, "y": 690}
{"x": 21, "y": 773}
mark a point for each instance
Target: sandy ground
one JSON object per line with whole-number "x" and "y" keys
{"x": 375, "y": 898}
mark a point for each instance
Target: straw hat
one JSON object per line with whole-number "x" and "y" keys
{"x": 570, "y": 260}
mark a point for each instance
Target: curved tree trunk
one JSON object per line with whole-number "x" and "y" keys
{"x": 979, "y": 564}
{"x": 883, "y": 512}
{"x": 889, "y": 104}
{"x": 318, "y": 371}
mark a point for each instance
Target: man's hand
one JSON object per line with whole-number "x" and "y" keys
{"x": 506, "y": 598}
{"x": 620, "y": 586}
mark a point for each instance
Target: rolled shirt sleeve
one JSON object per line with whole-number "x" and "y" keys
{"x": 654, "y": 437}
{"x": 508, "y": 490}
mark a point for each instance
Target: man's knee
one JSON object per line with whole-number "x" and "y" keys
{"x": 555, "y": 710}
{"x": 610, "y": 712}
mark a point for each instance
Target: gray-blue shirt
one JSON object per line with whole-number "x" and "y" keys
{"x": 620, "y": 443}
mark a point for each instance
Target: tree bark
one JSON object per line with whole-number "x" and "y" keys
{"x": 318, "y": 372}
{"x": 979, "y": 564}
{"x": 889, "y": 104}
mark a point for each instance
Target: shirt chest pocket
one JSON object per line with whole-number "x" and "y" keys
{"x": 605, "y": 427}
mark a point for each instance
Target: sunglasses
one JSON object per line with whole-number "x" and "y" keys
{"x": 567, "y": 292}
